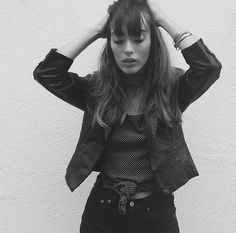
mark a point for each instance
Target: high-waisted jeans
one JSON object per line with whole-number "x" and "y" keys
{"x": 153, "y": 214}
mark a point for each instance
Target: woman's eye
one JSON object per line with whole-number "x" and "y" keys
{"x": 118, "y": 41}
{"x": 139, "y": 40}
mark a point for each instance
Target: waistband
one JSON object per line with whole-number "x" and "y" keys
{"x": 125, "y": 188}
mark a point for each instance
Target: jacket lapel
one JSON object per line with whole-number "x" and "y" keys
{"x": 151, "y": 121}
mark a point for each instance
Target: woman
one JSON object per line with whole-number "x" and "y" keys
{"x": 132, "y": 105}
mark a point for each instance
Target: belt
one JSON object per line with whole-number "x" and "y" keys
{"x": 125, "y": 188}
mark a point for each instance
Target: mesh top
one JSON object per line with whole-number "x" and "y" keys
{"x": 126, "y": 154}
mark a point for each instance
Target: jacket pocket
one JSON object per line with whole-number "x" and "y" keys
{"x": 174, "y": 166}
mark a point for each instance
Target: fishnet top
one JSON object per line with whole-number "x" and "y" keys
{"x": 126, "y": 154}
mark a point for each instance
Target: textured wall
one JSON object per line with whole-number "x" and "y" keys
{"x": 39, "y": 132}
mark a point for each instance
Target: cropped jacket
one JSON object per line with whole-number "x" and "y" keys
{"x": 170, "y": 158}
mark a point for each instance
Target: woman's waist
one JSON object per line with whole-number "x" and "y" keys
{"x": 130, "y": 188}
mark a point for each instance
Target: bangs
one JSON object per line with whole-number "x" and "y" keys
{"x": 128, "y": 21}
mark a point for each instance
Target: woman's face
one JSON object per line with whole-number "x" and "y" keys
{"x": 131, "y": 53}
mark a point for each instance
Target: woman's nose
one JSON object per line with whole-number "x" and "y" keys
{"x": 128, "y": 48}
{"x": 128, "y": 53}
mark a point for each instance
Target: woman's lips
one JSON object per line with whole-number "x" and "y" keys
{"x": 129, "y": 60}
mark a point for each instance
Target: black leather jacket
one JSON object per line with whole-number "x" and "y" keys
{"x": 170, "y": 158}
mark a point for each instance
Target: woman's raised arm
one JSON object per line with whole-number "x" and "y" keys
{"x": 76, "y": 46}
{"x": 52, "y": 73}
{"x": 204, "y": 67}
{"x": 169, "y": 25}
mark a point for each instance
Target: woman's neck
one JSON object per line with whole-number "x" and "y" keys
{"x": 133, "y": 80}
{"x": 134, "y": 91}
{"x": 133, "y": 85}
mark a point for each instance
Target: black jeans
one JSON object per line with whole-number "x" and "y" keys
{"x": 153, "y": 214}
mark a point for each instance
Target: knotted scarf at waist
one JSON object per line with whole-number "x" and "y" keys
{"x": 126, "y": 188}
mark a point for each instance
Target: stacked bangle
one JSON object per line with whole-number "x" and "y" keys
{"x": 178, "y": 38}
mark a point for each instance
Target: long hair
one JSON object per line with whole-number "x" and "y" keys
{"x": 160, "y": 89}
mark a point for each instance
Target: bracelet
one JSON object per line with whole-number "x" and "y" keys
{"x": 181, "y": 38}
{"x": 178, "y": 35}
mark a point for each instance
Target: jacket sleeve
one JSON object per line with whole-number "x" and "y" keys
{"x": 52, "y": 73}
{"x": 204, "y": 70}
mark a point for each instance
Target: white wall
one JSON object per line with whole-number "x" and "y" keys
{"x": 39, "y": 132}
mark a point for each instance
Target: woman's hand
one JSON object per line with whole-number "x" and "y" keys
{"x": 157, "y": 13}
{"x": 102, "y": 27}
